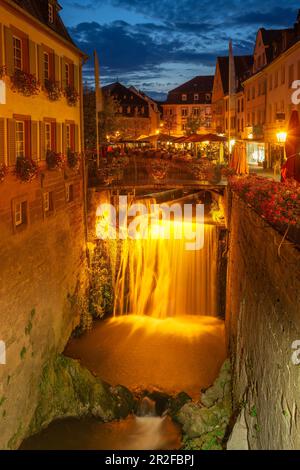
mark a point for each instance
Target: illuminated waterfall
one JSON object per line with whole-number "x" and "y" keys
{"x": 160, "y": 278}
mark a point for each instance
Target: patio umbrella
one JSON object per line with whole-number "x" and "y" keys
{"x": 291, "y": 168}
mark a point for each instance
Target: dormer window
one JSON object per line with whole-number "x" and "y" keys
{"x": 196, "y": 97}
{"x": 50, "y": 13}
{"x": 184, "y": 97}
{"x": 207, "y": 97}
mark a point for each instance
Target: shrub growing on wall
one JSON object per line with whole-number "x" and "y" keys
{"x": 25, "y": 83}
{"x": 101, "y": 290}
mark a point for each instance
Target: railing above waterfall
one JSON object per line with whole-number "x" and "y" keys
{"x": 133, "y": 171}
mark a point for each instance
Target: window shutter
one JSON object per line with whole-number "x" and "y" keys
{"x": 53, "y": 136}
{"x": 42, "y": 141}
{"x": 64, "y": 139}
{"x": 56, "y": 68}
{"x": 34, "y": 140}
{"x": 76, "y": 78}
{"x": 32, "y": 57}
{"x": 1, "y": 47}
{"x": 41, "y": 64}
{"x": 2, "y": 141}
{"x": 26, "y": 60}
{"x": 76, "y": 137}
{"x": 58, "y": 137}
{"x": 9, "y": 52}
{"x": 63, "y": 73}
{"x": 11, "y": 141}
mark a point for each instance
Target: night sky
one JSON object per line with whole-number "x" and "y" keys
{"x": 158, "y": 44}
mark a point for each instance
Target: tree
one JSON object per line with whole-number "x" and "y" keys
{"x": 108, "y": 118}
{"x": 89, "y": 112}
{"x": 192, "y": 125}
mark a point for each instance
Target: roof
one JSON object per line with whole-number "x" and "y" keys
{"x": 126, "y": 97}
{"x": 243, "y": 68}
{"x": 39, "y": 10}
{"x": 272, "y": 37}
{"x": 201, "y": 85}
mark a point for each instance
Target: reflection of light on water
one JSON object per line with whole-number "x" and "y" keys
{"x": 172, "y": 354}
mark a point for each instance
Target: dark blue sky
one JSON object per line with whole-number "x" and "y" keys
{"x": 158, "y": 44}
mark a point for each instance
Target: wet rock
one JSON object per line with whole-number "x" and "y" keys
{"x": 221, "y": 388}
{"x": 178, "y": 402}
{"x": 238, "y": 439}
{"x": 205, "y": 423}
{"x": 69, "y": 390}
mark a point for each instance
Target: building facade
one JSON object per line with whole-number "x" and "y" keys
{"x": 136, "y": 114}
{"x": 42, "y": 246}
{"x": 268, "y": 92}
{"x": 188, "y": 107}
{"x": 228, "y": 115}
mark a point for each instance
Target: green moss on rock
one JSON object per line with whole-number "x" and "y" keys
{"x": 69, "y": 390}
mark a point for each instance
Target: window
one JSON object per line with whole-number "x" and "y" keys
{"x": 239, "y": 106}
{"x": 67, "y": 74}
{"x": 276, "y": 79}
{"x": 207, "y": 96}
{"x": 48, "y": 202}
{"x": 20, "y": 214}
{"x": 291, "y": 74}
{"x": 68, "y": 136}
{"x": 283, "y": 75}
{"x": 196, "y": 112}
{"x": 46, "y": 66}
{"x": 18, "y": 58}
{"x": 196, "y": 97}
{"x": 20, "y": 139}
{"x": 128, "y": 110}
{"x": 242, "y": 125}
{"x": 184, "y": 97}
{"x": 48, "y": 136}
{"x": 50, "y": 13}
{"x": 183, "y": 127}
{"x": 253, "y": 93}
{"x": 184, "y": 112}
{"x": 69, "y": 192}
{"x": 242, "y": 108}
{"x": 271, "y": 82}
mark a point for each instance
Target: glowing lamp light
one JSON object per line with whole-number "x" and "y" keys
{"x": 206, "y": 142}
{"x": 250, "y": 136}
{"x": 157, "y": 131}
{"x": 281, "y": 137}
{"x": 231, "y": 144}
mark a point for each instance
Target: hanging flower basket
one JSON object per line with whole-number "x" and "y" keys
{"x": 2, "y": 72}
{"x": 26, "y": 169}
{"x": 73, "y": 159}
{"x": 3, "y": 172}
{"x": 71, "y": 95}
{"x": 54, "y": 160}
{"x": 53, "y": 90}
{"x": 25, "y": 83}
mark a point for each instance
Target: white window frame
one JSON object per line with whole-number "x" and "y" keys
{"x": 48, "y": 136}
{"x": 46, "y": 66}
{"x": 15, "y": 49}
{"x": 20, "y": 142}
{"x": 184, "y": 97}
{"x": 46, "y": 201}
{"x": 18, "y": 214}
{"x": 68, "y": 136}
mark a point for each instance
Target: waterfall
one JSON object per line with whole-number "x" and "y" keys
{"x": 160, "y": 278}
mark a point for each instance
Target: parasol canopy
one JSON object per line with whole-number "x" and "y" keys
{"x": 198, "y": 138}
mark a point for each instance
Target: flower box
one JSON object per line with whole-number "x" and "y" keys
{"x": 53, "y": 90}
{"x": 25, "y": 83}
{"x": 73, "y": 159}
{"x": 71, "y": 95}
{"x": 54, "y": 160}
{"x": 26, "y": 169}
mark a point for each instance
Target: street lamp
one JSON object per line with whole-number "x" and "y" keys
{"x": 281, "y": 139}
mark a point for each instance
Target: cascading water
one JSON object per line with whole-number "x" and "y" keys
{"x": 160, "y": 278}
